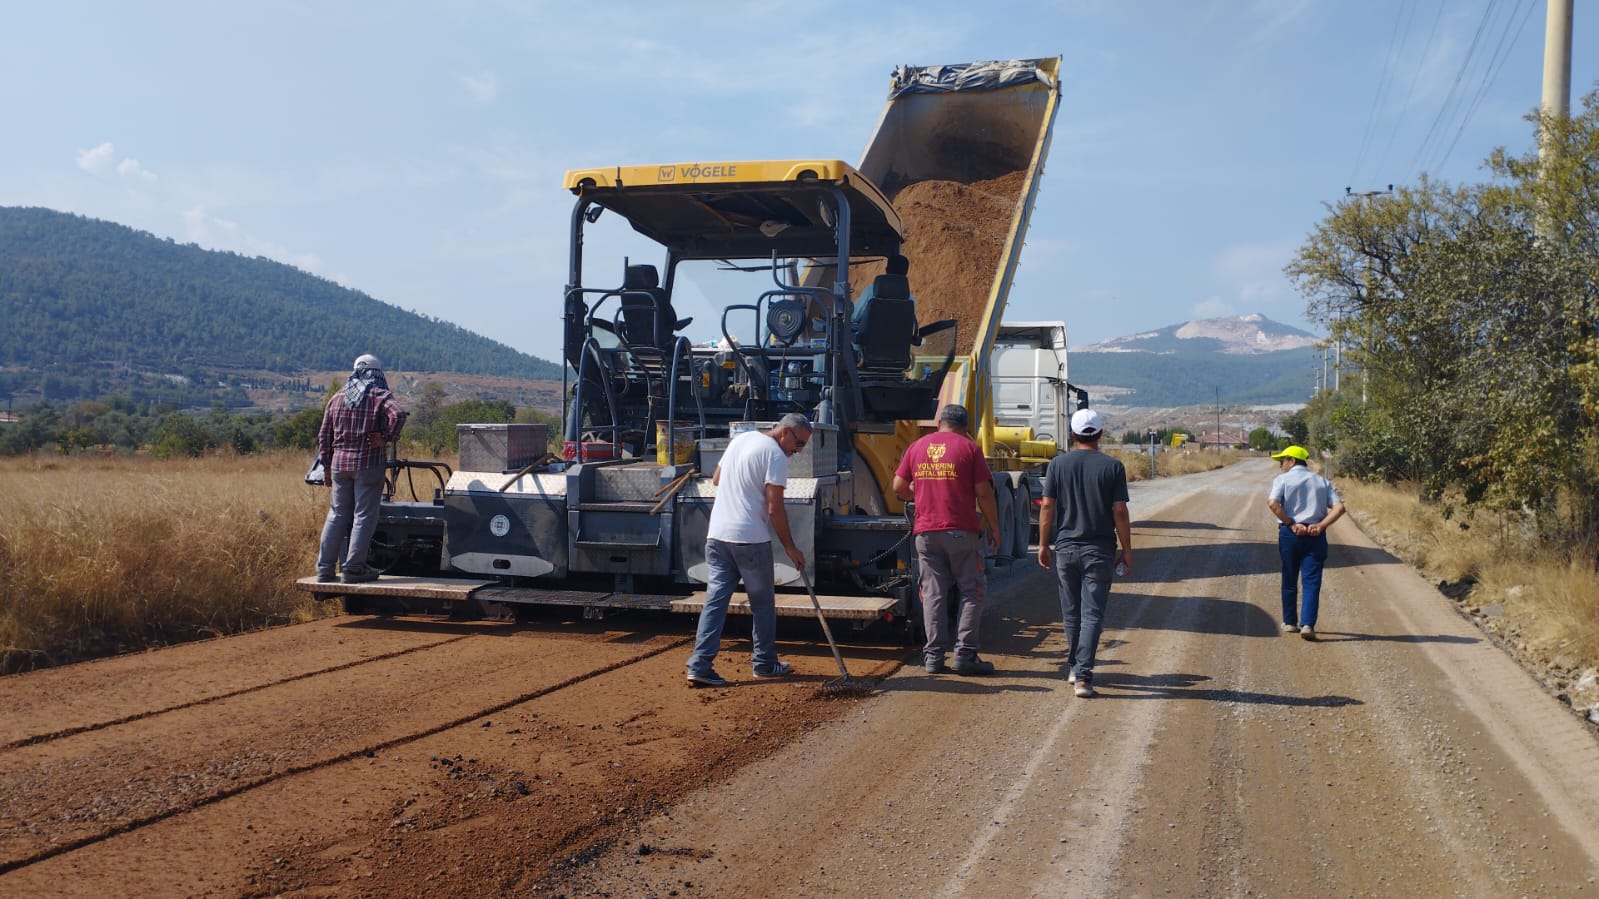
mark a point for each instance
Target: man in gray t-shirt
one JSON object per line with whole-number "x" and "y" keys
{"x": 1081, "y": 519}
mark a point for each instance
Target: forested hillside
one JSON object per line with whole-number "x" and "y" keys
{"x": 79, "y": 295}
{"x": 1198, "y": 377}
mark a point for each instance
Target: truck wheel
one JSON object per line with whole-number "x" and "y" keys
{"x": 1023, "y": 529}
{"x": 1005, "y": 499}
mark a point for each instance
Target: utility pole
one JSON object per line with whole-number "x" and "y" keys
{"x": 1556, "y": 106}
{"x": 1364, "y": 195}
{"x": 1556, "y": 64}
{"x": 1218, "y": 419}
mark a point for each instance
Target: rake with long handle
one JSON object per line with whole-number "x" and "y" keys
{"x": 843, "y": 685}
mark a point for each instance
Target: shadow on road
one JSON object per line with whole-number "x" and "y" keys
{"x": 1241, "y": 557}
{"x": 1180, "y": 686}
{"x": 1196, "y": 614}
{"x": 1180, "y": 525}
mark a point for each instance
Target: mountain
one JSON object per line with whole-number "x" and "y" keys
{"x": 1242, "y": 335}
{"x": 89, "y": 305}
{"x": 1243, "y": 359}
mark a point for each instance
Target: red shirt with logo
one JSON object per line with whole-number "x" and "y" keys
{"x": 944, "y": 469}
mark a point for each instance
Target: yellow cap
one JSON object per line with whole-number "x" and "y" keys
{"x": 1293, "y": 452}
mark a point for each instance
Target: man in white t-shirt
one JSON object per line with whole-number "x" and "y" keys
{"x": 748, "y": 510}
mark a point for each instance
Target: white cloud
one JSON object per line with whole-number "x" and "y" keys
{"x": 1252, "y": 274}
{"x": 1275, "y": 18}
{"x": 130, "y": 168}
{"x": 484, "y": 86}
{"x": 202, "y": 228}
{"x": 213, "y": 233}
{"x": 1250, "y": 260}
{"x": 102, "y": 159}
{"x": 1213, "y": 307}
{"x": 814, "y": 113}
{"x": 98, "y": 159}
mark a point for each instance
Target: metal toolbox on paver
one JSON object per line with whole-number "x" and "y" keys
{"x": 711, "y": 450}
{"x": 501, "y": 447}
{"x": 819, "y": 457}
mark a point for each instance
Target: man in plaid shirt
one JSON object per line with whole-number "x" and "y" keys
{"x": 359, "y": 421}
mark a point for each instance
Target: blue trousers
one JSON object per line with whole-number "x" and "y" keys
{"x": 1303, "y": 558}
{"x": 729, "y": 563}
{"x": 1084, "y": 571}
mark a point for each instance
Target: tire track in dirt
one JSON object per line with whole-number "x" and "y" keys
{"x": 140, "y": 716}
{"x": 368, "y": 750}
{"x": 75, "y": 696}
{"x": 485, "y": 808}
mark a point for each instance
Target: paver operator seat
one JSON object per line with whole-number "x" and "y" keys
{"x": 648, "y": 319}
{"x": 889, "y": 329}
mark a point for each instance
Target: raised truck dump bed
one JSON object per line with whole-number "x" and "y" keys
{"x": 960, "y": 152}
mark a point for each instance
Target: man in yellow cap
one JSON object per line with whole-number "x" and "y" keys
{"x": 1305, "y": 504}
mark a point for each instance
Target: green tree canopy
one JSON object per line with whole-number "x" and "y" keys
{"x": 1473, "y": 311}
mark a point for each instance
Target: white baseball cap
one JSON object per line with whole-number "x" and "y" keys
{"x": 1085, "y": 422}
{"x": 366, "y": 361}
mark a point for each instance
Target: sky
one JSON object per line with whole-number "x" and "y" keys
{"x": 415, "y": 151}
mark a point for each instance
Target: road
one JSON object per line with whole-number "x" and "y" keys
{"x": 1400, "y": 754}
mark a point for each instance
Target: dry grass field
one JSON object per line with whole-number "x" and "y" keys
{"x": 1171, "y": 463}
{"x": 103, "y": 555}
{"x": 1544, "y": 606}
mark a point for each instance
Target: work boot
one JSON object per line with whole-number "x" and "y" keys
{"x": 360, "y": 575}
{"x": 973, "y": 665}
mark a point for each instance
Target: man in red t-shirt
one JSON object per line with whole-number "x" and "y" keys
{"x": 947, "y": 476}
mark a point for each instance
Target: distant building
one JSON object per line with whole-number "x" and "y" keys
{"x": 1224, "y": 438}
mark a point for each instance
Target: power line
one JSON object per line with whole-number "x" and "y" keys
{"x": 1454, "y": 88}
{"x": 1415, "y": 76}
{"x": 1394, "y": 41}
{"x": 1495, "y": 63}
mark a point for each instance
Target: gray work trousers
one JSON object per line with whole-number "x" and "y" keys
{"x": 353, "y": 515}
{"x": 951, "y": 559}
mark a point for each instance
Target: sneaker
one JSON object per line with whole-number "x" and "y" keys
{"x": 934, "y": 666}
{"x": 708, "y": 679}
{"x": 1071, "y": 677}
{"x": 360, "y": 575}
{"x": 326, "y": 577}
{"x": 1289, "y": 628}
{"x": 1083, "y": 690}
{"x": 973, "y": 665}
{"x": 781, "y": 669}
{"x": 1308, "y": 632}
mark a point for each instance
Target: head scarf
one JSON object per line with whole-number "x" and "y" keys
{"x": 360, "y": 382}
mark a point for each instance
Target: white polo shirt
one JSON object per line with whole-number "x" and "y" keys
{"x": 752, "y": 461}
